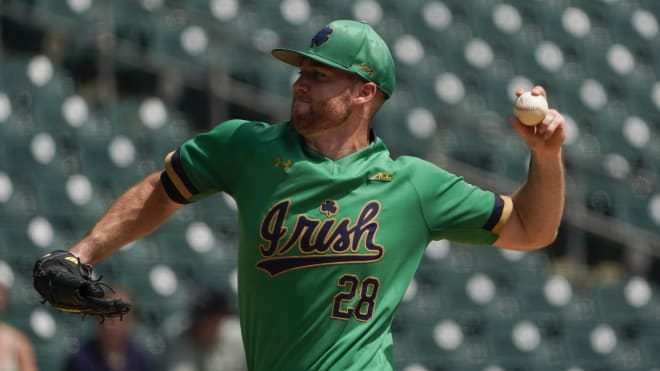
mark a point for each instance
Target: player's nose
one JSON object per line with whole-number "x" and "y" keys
{"x": 300, "y": 86}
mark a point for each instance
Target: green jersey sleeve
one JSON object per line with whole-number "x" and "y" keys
{"x": 208, "y": 163}
{"x": 457, "y": 210}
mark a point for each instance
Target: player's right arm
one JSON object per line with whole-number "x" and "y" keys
{"x": 197, "y": 169}
{"x": 136, "y": 213}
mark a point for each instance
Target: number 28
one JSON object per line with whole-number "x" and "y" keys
{"x": 363, "y": 309}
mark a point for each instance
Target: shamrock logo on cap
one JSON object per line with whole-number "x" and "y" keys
{"x": 322, "y": 36}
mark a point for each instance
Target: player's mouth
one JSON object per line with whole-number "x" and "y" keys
{"x": 299, "y": 104}
{"x": 301, "y": 99}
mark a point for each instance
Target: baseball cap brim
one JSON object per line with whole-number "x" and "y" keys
{"x": 295, "y": 58}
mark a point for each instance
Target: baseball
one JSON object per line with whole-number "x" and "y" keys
{"x": 530, "y": 109}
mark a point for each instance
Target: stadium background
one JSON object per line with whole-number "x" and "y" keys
{"x": 94, "y": 93}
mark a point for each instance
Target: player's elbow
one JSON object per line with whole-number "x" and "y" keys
{"x": 529, "y": 241}
{"x": 540, "y": 240}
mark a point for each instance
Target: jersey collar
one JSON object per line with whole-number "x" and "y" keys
{"x": 376, "y": 145}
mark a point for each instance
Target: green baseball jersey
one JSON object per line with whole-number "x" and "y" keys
{"x": 327, "y": 248}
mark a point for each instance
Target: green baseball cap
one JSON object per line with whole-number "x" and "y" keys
{"x": 351, "y": 46}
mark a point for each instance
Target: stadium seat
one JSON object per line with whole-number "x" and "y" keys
{"x": 633, "y": 301}
{"x": 514, "y": 343}
{"x": 216, "y": 11}
{"x": 447, "y": 342}
{"x": 70, "y": 15}
{"x": 649, "y": 343}
{"x": 20, "y": 201}
{"x": 34, "y": 87}
{"x": 640, "y": 212}
{"x": 35, "y": 158}
{"x": 135, "y": 27}
{"x": 579, "y": 346}
{"x": 184, "y": 43}
{"x": 13, "y": 75}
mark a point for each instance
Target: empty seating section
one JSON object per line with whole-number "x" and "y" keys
{"x": 65, "y": 155}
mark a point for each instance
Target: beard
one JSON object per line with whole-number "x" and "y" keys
{"x": 309, "y": 117}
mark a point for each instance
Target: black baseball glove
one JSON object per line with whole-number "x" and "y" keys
{"x": 67, "y": 284}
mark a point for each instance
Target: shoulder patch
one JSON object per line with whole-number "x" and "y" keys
{"x": 382, "y": 177}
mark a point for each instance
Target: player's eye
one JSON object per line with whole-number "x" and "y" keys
{"x": 313, "y": 75}
{"x": 317, "y": 75}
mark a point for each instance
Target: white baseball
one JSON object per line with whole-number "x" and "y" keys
{"x": 530, "y": 109}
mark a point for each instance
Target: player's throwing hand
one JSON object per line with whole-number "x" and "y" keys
{"x": 547, "y": 137}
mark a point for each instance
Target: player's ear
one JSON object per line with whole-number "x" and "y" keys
{"x": 367, "y": 91}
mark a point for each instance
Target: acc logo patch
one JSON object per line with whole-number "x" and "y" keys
{"x": 382, "y": 177}
{"x": 366, "y": 69}
{"x": 322, "y": 36}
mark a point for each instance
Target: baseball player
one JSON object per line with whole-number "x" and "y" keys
{"x": 331, "y": 227}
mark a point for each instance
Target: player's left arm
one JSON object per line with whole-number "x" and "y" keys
{"x": 25, "y": 353}
{"x": 538, "y": 205}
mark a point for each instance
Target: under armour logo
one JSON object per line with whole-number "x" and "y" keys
{"x": 286, "y": 165}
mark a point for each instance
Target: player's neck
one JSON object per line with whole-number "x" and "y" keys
{"x": 337, "y": 143}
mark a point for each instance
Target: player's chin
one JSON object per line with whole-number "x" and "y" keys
{"x": 302, "y": 125}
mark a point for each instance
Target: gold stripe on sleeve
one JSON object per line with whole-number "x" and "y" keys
{"x": 507, "y": 209}
{"x": 174, "y": 177}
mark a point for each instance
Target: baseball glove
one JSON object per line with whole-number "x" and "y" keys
{"x": 66, "y": 283}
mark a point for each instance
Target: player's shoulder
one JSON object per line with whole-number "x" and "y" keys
{"x": 411, "y": 161}
{"x": 248, "y": 130}
{"x": 235, "y": 125}
{"x": 414, "y": 164}
{"x": 418, "y": 170}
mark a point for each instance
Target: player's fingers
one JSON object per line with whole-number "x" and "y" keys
{"x": 525, "y": 131}
{"x": 554, "y": 136}
{"x": 519, "y": 92}
{"x": 539, "y": 90}
{"x": 544, "y": 126}
{"x": 552, "y": 129}
{"x": 552, "y": 121}
{"x": 551, "y": 115}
